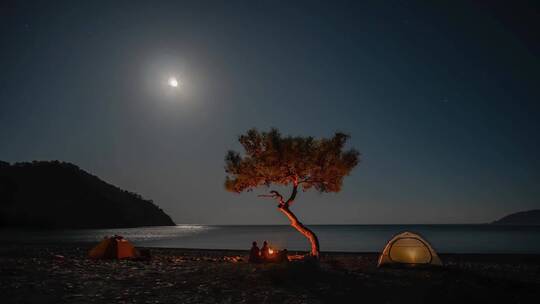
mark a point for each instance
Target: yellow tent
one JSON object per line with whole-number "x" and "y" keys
{"x": 115, "y": 247}
{"x": 408, "y": 248}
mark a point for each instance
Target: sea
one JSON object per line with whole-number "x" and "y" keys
{"x": 483, "y": 238}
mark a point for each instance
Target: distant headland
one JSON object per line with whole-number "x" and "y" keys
{"x": 53, "y": 194}
{"x": 531, "y": 217}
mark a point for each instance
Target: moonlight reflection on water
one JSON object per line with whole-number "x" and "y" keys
{"x": 350, "y": 238}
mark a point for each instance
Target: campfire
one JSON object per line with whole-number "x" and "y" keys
{"x": 267, "y": 254}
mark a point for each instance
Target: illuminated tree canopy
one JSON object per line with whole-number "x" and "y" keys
{"x": 272, "y": 159}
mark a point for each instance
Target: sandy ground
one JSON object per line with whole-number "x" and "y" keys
{"x": 37, "y": 274}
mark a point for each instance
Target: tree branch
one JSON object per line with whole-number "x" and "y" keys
{"x": 275, "y": 195}
{"x": 293, "y": 194}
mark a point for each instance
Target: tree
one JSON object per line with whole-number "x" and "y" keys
{"x": 272, "y": 159}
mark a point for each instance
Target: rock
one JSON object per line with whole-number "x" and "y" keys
{"x": 58, "y": 257}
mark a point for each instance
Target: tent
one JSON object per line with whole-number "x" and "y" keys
{"x": 115, "y": 247}
{"x": 408, "y": 248}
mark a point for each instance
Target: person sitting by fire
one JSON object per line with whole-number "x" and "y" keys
{"x": 254, "y": 253}
{"x": 265, "y": 251}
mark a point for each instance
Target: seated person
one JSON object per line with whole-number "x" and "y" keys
{"x": 265, "y": 253}
{"x": 254, "y": 253}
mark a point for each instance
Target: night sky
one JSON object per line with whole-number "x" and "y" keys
{"x": 442, "y": 100}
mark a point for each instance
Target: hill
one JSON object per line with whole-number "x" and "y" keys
{"x": 531, "y": 217}
{"x": 61, "y": 195}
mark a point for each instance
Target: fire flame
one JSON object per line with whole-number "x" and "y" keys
{"x": 270, "y": 251}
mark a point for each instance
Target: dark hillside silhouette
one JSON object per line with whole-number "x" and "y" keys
{"x": 531, "y": 217}
{"x": 61, "y": 195}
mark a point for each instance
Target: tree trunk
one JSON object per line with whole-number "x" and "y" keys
{"x": 310, "y": 235}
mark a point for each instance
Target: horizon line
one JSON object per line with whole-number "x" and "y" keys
{"x": 384, "y": 224}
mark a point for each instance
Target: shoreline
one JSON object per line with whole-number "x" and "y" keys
{"x": 62, "y": 273}
{"x": 329, "y": 252}
{"x": 477, "y": 239}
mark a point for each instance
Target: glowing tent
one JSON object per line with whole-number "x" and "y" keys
{"x": 115, "y": 247}
{"x": 408, "y": 248}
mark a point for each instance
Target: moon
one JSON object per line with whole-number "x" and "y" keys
{"x": 173, "y": 82}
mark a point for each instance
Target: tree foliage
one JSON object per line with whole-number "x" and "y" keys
{"x": 271, "y": 158}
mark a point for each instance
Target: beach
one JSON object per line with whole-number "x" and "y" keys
{"x": 62, "y": 273}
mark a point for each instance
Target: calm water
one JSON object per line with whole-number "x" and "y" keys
{"x": 352, "y": 238}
